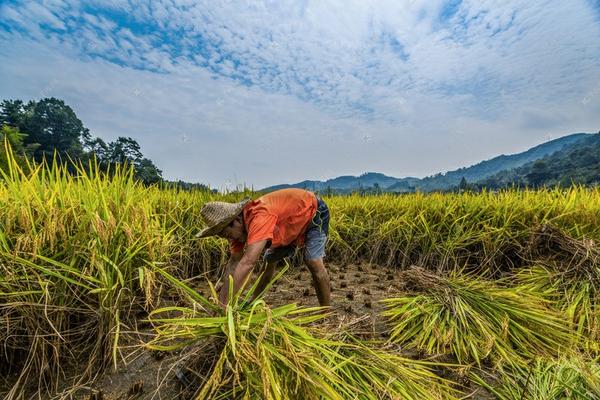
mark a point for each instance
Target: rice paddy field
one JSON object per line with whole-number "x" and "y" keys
{"x": 105, "y": 294}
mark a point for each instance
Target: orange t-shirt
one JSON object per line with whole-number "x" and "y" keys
{"x": 281, "y": 217}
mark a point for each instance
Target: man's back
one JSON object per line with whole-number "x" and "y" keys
{"x": 281, "y": 217}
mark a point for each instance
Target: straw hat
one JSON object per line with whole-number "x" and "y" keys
{"x": 218, "y": 214}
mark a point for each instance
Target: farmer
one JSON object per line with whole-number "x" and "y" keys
{"x": 279, "y": 222}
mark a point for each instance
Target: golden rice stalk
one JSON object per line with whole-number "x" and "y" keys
{"x": 474, "y": 320}
{"x": 574, "y": 293}
{"x": 571, "y": 378}
{"x": 279, "y": 354}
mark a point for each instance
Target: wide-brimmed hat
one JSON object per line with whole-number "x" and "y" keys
{"x": 218, "y": 214}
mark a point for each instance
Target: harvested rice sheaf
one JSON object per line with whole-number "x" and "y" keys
{"x": 567, "y": 271}
{"x": 474, "y": 320}
{"x": 573, "y": 378}
{"x": 548, "y": 242}
{"x": 279, "y": 354}
{"x": 575, "y": 297}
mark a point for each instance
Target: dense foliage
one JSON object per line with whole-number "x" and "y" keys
{"x": 49, "y": 129}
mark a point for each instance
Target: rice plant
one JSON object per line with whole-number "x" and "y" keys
{"x": 276, "y": 354}
{"x": 73, "y": 266}
{"x": 568, "y": 271}
{"x": 488, "y": 232}
{"x": 545, "y": 379}
{"x": 78, "y": 252}
{"x": 474, "y": 320}
{"x": 75, "y": 251}
{"x": 575, "y": 294}
{"x": 379, "y": 371}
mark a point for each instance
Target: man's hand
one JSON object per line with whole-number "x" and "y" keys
{"x": 241, "y": 271}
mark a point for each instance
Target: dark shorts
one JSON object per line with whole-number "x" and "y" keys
{"x": 315, "y": 240}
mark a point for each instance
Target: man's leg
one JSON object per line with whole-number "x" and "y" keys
{"x": 320, "y": 280}
{"x": 314, "y": 252}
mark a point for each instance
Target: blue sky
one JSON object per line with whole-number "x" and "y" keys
{"x": 265, "y": 92}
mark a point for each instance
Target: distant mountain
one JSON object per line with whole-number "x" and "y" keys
{"x": 491, "y": 167}
{"x": 346, "y": 183}
{"x": 373, "y": 181}
{"x": 579, "y": 164}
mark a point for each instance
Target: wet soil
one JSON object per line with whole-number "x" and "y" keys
{"x": 355, "y": 293}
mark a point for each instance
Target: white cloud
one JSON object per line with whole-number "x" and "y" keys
{"x": 429, "y": 94}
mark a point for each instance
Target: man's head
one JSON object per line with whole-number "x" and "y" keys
{"x": 223, "y": 219}
{"x": 235, "y": 230}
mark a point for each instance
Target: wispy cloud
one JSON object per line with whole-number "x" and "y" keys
{"x": 319, "y": 77}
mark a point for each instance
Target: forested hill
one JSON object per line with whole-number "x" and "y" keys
{"x": 493, "y": 166}
{"x": 578, "y": 164}
{"x": 376, "y": 182}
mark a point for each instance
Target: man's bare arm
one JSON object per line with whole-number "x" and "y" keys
{"x": 233, "y": 261}
{"x": 242, "y": 270}
{"x": 265, "y": 279}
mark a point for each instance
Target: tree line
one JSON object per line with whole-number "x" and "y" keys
{"x": 50, "y": 130}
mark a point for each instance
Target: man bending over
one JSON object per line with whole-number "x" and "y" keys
{"x": 279, "y": 222}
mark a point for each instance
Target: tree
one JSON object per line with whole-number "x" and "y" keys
{"x": 99, "y": 149}
{"x": 12, "y": 113}
{"x": 41, "y": 128}
{"x": 463, "y": 185}
{"x": 54, "y": 125}
{"x": 124, "y": 150}
{"x": 147, "y": 172}
{"x": 539, "y": 173}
